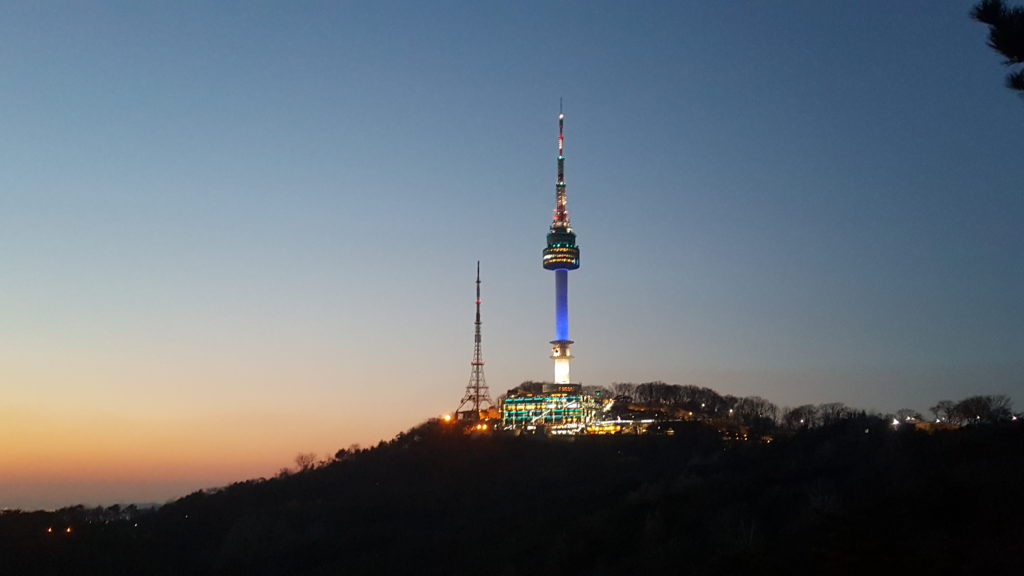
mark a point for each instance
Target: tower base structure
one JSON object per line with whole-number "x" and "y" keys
{"x": 561, "y": 354}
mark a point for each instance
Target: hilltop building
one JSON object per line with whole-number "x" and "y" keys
{"x": 556, "y": 408}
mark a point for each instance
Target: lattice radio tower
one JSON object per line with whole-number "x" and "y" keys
{"x": 477, "y": 394}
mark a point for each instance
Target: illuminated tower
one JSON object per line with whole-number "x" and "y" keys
{"x": 561, "y": 255}
{"x": 477, "y": 394}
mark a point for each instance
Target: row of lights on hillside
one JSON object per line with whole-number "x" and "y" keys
{"x": 50, "y": 530}
{"x": 480, "y": 426}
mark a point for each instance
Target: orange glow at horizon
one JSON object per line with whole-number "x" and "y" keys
{"x": 133, "y": 458}
{"x": 95, "y": 446}
{"x": 87, "y": 432}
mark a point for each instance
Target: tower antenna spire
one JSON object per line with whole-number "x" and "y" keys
{"x": 477, "y": 394}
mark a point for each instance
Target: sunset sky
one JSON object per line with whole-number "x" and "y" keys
{"x": 236, "y": 231}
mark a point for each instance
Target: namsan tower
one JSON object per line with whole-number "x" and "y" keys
{"x": 561, "y": 255}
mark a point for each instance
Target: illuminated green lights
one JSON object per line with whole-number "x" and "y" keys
{"x": 546, "y": 409}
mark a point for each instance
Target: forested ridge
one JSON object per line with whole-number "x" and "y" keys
{"x": 851, "y": 497}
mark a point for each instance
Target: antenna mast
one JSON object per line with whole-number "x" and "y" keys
{"x": 477, "y": 395}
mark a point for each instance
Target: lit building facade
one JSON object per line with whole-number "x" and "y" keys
{"x": 559, "y": 408}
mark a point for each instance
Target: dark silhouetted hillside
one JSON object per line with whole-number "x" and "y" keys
{"x": 853, "y": 497}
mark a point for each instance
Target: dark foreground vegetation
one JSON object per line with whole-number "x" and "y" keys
{"x": 854, "y": 497}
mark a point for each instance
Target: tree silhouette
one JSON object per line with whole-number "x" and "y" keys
{"x": 944, "y": 410}
{"x": 1005, "y": 35}
{"x": 801, "y": 417}
{"x": 987, "y": 409}
{"x": 832, "y": 412}
{"x": 908, "y": 414}
{"x": 305, "y": 460}
{"x": 753, "y": 409}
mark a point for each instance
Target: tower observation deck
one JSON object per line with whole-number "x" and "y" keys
{"x": 561, "y": 255}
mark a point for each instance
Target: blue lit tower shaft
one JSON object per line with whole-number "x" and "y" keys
{"x": 561, "y": 255}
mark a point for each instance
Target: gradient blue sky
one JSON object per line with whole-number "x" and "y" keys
{"x": 234, "y": 231}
